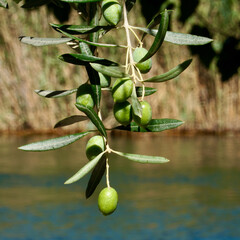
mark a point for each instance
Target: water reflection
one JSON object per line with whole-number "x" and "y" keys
{"x": 194, "y": 196}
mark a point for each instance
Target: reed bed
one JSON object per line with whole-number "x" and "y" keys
{"x": 197, "y": 96}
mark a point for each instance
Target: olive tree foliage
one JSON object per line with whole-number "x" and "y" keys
{"x": 129, "y": 90}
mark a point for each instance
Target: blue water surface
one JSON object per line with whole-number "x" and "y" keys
{"x": 190, "y": 200}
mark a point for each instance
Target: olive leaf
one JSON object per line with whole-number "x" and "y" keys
{"x": 37, "y": 42}
{"x": 54, "y": 143}
{"x": 148, "y": 91}
{"x": 178, "y": 38}
{"x": 155, "y": 125}
{"x": 170, "y": 74}
{"x": 142, "y": 158}
{"x": 111, "y": 71}
{"x": 85, "y": 170}
{"x": 70, "y": 120}
{"x": 136, "y": 106}
{"x": 55, "y": 93}
{"x": 83, "y": 59}
{"x": 93, "y": 117}
{"x": 79, "y": 29}
{"x": 96, "y": 176}
{"x": 159, "y": 37}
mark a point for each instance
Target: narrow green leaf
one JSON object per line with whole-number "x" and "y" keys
{"x": 148, "y": 91}
{"x": 95, "y": 44}
{"x": 3, "y": 3}
{"x": 159, "y": 37}
{"x": 55, "y": 93}
{"x": 136, "y": 106}
{"x": 82, "y": 59}
{"x": 35, "y": 3}
{"x": 112, "y": 71}
{"x": 186, "y": 39}
{"x": 94, "y": 21}
{"x": 130, "y": 4}
{"x": 96, "y": 176}
{"x": 170, "y": 74}
{"x": 38, "y": 42}
{"x": 79, "y": 1}
{"x": 54, "y": 143}
{"x": 70, "y": 120}
{"x": 142, "y": 158}
{"x": 93, "y": 117}
{"x": 79, "y": 29}
{"x": 155, "y": 21}
{"x": 179, "y": 38}
{"x": 155, "y": 125}
{"x": 84, "y": 170}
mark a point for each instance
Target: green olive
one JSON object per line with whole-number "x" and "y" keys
{"x": 146, "y": 114}
{"x": 85, "y": 95}
{"x": 95, "y": 146}
{"x": 112, "y": 11}
{"x": 123, "y": 112}
{"x": 105, "y": 81}
{"x": 122, "y": 89}
{"x": 107, "y": 200}
{"x": 138, "y": 54}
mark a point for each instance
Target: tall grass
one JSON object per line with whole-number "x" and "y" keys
{"x": 197, "y": 96}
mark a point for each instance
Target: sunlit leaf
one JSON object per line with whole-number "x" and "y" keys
{"x": 112, "y": 71}
{"x": 84, "y": 170}
{"x": 148, "y": 91}
{"x": 179, "y": 38}
{"x": 155, "y": 125}
{"x": 159, "y": 38}
{"x": 96, "y": 176}
{"x": 38, "y": 42}
{"x": 142, "y": 158}
{"x": 93, "y": 117}
{"x": 55, "y": 93}
{"x": 186, "y": 39}
{"x": 170, "y": 74}
{"x": 54, "y": 143}
{"x": 70, "y": 120}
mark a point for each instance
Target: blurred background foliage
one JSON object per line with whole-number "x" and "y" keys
{"x": 206, "y": 96}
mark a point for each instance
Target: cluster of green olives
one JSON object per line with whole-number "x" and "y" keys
{"x": 121, "y": 91}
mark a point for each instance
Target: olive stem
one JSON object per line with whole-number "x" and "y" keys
{"x": 107, "y": 173}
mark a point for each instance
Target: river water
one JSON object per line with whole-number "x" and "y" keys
{"x": 194, "y": 196}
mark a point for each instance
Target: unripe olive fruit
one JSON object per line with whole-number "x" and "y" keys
{"x": 146, "y": 114}
{"x": 107, "y": 200}
{"x": 95, "y": 146}
{"x": 105, "y": 81}
{"x": 85, "y": 95}
{"x": 138, "y": 54}
{"x": 112, "y": 11}
{"x": 123, "y": 112}
{"x": 122, "y": 89}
